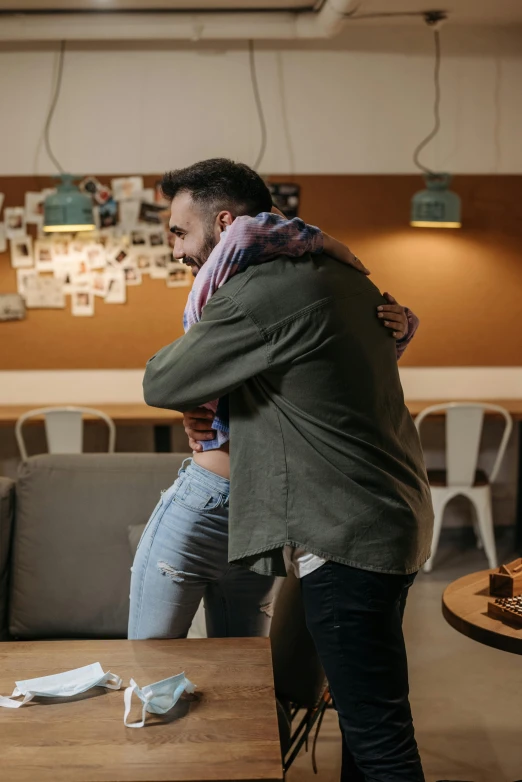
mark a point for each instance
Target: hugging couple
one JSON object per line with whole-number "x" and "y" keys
{"x": 305, "y": 456}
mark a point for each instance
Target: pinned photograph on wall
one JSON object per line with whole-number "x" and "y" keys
{"x": 132, "y": 276}
{"x": 157, "y": 238}
{"x": 22, "y": 277}
{"x": 116, "y": 288}
{"x": 285, "y": 197}
{"x": 108, "y": 213}
{"x": 34, "y": 205}
{"x": 21, "y": 252}
{"x": 129, "y": 214}
{"x": 44, "y": 293}
{"x": 100, "y": 284}
{"x": 81, "y": 281}
{"x": 78, "y": 252}
{"x": 82, "y": 303}
{"x": 160, "y": 262}
{"x": 148, "y": 195}
{"x": 92, "y": 186}
{"x": 178, "y": 275}
{"x": 139, "y": 237}
{"x": 106, "y": 237}
{"x": 124, "y": 188}
{"x": 64, "y": 271}
{"x": 96, "y": 256}
{"x": 144, "y": 261}
{"x": 151, "y": 213}
{"x": 14, "y": 219}
{"x": 12, "y": 306}
{"x": 44, "y": 255}
{"x": 89, "y": 185}
{"x": 118, "y": 256}
{"x": 3, "y": 238}
{"x": 61, "y": 246}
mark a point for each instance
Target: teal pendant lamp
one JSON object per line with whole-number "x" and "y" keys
{"x": 68, "y": 209}
{"x": 436, "y": 206}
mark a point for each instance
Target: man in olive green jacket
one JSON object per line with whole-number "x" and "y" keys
{"x": 324, "y": 459}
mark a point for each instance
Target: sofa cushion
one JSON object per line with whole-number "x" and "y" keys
{"x": 71, "y": 557}
{"x": 7, "y": 495}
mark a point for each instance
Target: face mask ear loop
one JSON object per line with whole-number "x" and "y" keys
{"x": 128, "y": 701}
{"x": 9, "y": 703}
{"x": 112, "y": 682}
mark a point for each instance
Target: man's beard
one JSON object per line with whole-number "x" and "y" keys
{"x": 196, "y": 261}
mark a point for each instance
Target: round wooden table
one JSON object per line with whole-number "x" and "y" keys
{"x": 465, "y": 607}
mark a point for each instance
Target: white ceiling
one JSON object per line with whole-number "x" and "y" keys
{"x": 479, "y": 12}
{"x": 155, "y": 5}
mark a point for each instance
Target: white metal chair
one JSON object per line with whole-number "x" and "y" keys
{"x": 464, "y": 422}
{"x": 64, "y": 428}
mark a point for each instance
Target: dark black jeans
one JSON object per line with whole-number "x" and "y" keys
{"x": 355, "y": 619}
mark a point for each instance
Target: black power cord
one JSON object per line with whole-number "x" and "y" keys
{"x": 436, "y": 108}
{"x": 52, "y": 107}
{"x": 259, "y": 105}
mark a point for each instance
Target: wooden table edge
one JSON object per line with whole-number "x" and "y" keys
{"x": 504, "y": 643}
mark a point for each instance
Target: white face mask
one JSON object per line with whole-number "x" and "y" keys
{"x": 62, "y": 685}
{"x": 157, "y": 698}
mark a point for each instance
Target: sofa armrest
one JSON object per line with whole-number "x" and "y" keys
{"x": 7, "y": 500}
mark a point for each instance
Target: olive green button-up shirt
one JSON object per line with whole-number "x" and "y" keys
{"x": 324, "y": 453}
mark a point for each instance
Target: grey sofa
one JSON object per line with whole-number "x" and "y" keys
{"x": 68, "y": 529}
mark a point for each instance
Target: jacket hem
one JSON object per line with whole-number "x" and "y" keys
{"x": 393, "y": 571}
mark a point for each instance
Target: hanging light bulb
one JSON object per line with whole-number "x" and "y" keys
{"x": 436, "y": 206}
{"x": 67, "y": 209}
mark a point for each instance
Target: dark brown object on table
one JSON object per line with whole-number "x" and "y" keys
{"x": 507, "y": 609}
{"x": 507, "y": 580}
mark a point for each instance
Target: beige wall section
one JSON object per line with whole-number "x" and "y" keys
{"x": 355, "y": 104}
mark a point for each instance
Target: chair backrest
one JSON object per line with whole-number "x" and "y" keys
{"x": 464, "y": 423}
{"x": 63, "y": 428}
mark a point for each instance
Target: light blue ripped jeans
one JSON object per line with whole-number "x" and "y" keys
{"x": 182, "y": 557}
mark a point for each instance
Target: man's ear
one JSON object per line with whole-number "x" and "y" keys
{"x": 223, "y": 220}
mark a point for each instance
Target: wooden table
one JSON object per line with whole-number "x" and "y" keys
{"x": 464, "y": 606}
{"x": 228, "y": 733}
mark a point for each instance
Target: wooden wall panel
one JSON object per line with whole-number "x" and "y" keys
{"x": 466, "y": 285}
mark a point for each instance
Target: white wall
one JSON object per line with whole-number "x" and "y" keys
{"x": 358, "y": 104}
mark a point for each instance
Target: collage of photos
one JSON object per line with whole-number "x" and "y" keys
{"x": 131, "y": 241}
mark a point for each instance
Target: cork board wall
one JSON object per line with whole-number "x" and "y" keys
{"x": 465, "y": 285}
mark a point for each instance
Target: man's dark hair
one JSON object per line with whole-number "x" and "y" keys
{"x": 218, "y": 184}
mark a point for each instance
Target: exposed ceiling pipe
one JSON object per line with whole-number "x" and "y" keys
{"x": 237, "y": 25}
